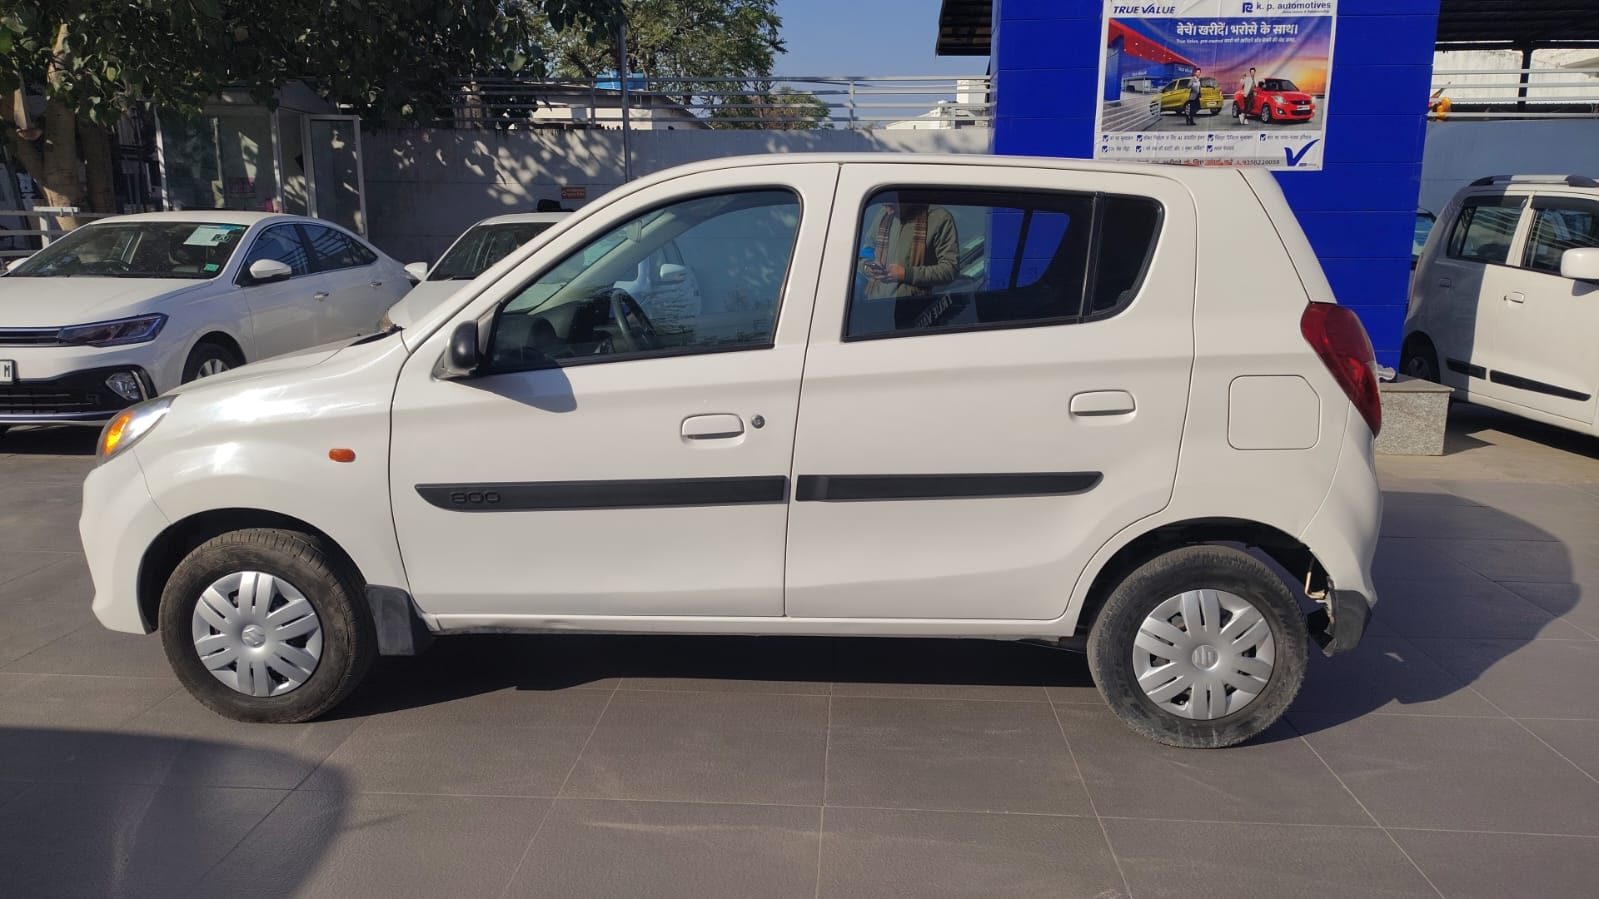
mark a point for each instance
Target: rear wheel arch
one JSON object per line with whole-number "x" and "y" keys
{"x": 1282, "y": 548}
{"x": 175, "y": 543}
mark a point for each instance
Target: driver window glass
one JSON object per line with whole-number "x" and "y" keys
{"x": 701, "y": 275}
{"x": 284, "y": 245}
{"x": 1556, "y": 230}
{"x": 1484, "y": 231}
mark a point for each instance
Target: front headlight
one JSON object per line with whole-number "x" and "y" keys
{"x": 122, "y": 331}
{"x": 1277, "y": 99}
{"x": 131, "y": 424}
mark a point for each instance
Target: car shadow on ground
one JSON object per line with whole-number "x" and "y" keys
{"x": 96, "y": 813}
{"x": 1466, "y": 420}
{"x": 49, "y": 440}
{"x": 1422, "y": 595}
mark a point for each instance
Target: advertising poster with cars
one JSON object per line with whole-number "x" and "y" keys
{"x": 1216, "y": 82}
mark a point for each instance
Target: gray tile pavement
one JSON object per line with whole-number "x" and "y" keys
{"x": 1455, "y": 753}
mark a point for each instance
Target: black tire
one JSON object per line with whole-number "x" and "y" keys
{"x": 1265, "y": 114}
{"x": 349, "y": 640}
{"x": 1421, "y": 361}
{"x": 1111, "y": 644}
{"x": 207, "y": 352}
{"x": 1216, "y": 111}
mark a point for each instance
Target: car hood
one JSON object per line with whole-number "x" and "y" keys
{"x": 421, "y": 299}
{"x": 57, "y": 302}
{"x": 302, "y": 359}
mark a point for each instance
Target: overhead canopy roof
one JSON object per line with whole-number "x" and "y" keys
{"x": 965, "y": 27}
{"x": 1521, "y": 24}
{"x": 1135, "y": 44}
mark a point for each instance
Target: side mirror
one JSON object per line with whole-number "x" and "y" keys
{"x": 417, "y": 272}
{"x": 465, "y": 356}
{"x": 263, "y": 271}
{"x": 673, "y": 274}
{"x": 1581, "y": 264}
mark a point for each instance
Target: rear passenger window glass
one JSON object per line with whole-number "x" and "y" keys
{"x": 957, "y": 260}
{"x": 335, "y": 249}
{"x": 1484, "y": 231}
{"x": 1556, "y": 230}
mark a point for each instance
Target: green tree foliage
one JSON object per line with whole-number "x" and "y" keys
{"x": 90, "y": 59}
{"x": 782, "y": 109}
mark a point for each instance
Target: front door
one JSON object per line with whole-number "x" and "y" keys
{"x": 284, "y": 315}
{"x": 597, "y": 466}
{"x": 1463, "y": 285}
{"x": 359, "y": 291}
{"x": 1545, "y": 325}
{"x": 994, "y": 390}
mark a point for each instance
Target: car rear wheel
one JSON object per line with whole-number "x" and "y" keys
{"x": 209, "y": 359}
{"x": 267, "y": 625}
{"x": 1202, "y": 647}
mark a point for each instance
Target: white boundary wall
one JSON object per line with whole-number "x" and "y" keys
{"x": 1460, "y": 152}
{"x": 425, "y": 186}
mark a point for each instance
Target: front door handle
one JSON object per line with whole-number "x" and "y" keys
{"x": 320, "y": 295}
{"x": 1446, "y": 282}
{"x": 712, "y": 427}
{"x": 1515, "y": 296}
{"x": 376, "y": 283}
{"x": 1103, "y": 402}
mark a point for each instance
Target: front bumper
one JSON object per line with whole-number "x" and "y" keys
{"x": 120, "y": 521}
{"x": 81, "y": 397}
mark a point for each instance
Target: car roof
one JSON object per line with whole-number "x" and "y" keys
{"x": 1184, "y": 174}
{"x": 219, "y": 217}
{"x": 515, "y": 218}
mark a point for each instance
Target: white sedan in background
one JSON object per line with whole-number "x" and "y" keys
{"x": 664, "y": 285}
{"x": 129, "y": 307}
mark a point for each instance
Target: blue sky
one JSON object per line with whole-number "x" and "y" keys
{"x": 866, "y": 37}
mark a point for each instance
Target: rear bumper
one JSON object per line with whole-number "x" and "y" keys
{"x": 1340, "y": 629}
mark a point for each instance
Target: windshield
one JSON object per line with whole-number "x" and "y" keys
{"x": 1280, "y": 84}
{"x": 481, "y": 247}
{"x": 1207, "y": 82}
{"x": 136, "y": 250}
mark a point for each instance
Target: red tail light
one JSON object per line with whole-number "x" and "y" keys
{"x": 1336, "y": 335}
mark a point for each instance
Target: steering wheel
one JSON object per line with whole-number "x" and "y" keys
{"x": 116, "y": 265}
{"x": 635, "y": 331}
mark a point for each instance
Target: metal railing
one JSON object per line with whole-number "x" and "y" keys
{"x": 1538, "y": 93}
{"x": 786, "y": 102}
{"x": 42, "y": 234}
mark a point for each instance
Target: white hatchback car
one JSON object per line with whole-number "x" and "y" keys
{"x": 129, "y": 307}
{"x": 1077, "y": 448}
{"x": 1504, "y": 304}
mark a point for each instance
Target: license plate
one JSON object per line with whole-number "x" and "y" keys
{"x": 8, "y": 371}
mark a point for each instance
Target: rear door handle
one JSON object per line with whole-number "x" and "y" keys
{"x": 722, "y": 426}
{"x": 376, "y": 283}
{"x": 1515, "y": 296}
{"x": 1103, "y": 402}
{"x": 1446, "y": 282}
{"x": 320, "y": 295}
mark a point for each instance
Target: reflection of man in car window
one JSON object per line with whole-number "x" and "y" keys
{"x": 915, "y": 249}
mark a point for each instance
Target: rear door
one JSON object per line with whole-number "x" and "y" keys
{"x": 359, "y": 289}
{"x": 1544, "y": 325}
{"x": 966, "y": 443}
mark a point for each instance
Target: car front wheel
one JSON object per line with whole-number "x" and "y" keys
{"x": 1202, "y": 647}
{"x": 1420, "y": 362}
{"x": 209, "y": 359}
{"x": 1265, "y": 115}
{"x": 266, "y": 625}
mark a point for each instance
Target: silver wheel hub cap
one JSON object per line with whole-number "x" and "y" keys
{"x": 1204, "y": 654}
{"x": 213, "y": 367}
{"x": 257, "y": 634}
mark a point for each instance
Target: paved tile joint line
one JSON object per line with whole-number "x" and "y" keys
{"x": 1455, "y": 754}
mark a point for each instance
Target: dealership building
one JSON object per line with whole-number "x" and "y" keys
{"x": 1059, "y": 65}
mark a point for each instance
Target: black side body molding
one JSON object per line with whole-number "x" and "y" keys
{"x": 1466, "y": 368}
{"x": 1520, "y": 383}
{"x": 547, "y": 496}
{"x": 870, "y": 487}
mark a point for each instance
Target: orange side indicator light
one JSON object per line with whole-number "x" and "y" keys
{"x": 341, "y": 455}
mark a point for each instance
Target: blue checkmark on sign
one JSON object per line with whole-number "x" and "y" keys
{"x": 1294, "y": 158}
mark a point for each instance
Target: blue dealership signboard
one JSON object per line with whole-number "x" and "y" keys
{"x": 1216, "y": 82}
